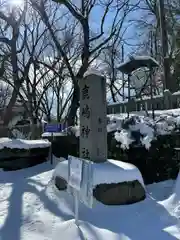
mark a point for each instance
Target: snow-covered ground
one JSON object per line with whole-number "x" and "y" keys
{"x": 32, "y": 208}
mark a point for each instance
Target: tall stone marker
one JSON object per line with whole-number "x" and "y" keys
{"x": 93, "y": 118}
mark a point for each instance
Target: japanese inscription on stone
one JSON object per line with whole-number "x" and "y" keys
{"x": 84, "y": 119}
{"x": 85, "y": 131}
{"x": 86, "y": 111}
{"x": 85, "y": 92}
{"x": 93, "y": 133}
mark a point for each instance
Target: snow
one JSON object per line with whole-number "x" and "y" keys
{"x": 75, "y": 130}
{"x": 173, "y": 202}
{"x": 50, "y": 134}
{"x": 137, "y": 62}
{"x": 93, "y": 71}
{"x": 135, "y": 99}
{"x": 32, "y": 208}
{"x": 18, "y": 134}
{"x": 44, "y": 121}
{"x": 121, "y": 102}
{"x": 56, "y": 160}
{"x": 145, "y": 57}
{"x": 176, "y": 93}
{"x": 15, "y": 119}
{"x": 165, "y": 123}
{"x": 141, "y": 125}
{"x": 23, "y": 144}
{"x": 61, "y": 170}
{"x": 124, "y": 138}
{"x": 117, "y": 172}
{"x": 170, "y": 112}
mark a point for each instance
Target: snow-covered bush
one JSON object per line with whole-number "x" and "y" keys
{"x": 134, "y": 129}
{"x": 142, "y": 130}
{"x": 138, "y": 129}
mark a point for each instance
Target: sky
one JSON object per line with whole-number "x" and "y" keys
{"x": 95, "y": 23}
{"x": 131, "y": 32}
{"x": 130, "y": 35}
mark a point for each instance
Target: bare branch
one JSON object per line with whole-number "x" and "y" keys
{"x": 102, "y": 22}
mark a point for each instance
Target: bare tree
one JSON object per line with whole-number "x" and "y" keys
{"x": 5, "y": 94}
{"x": 60, "y": 90}
{"x": 29, "y": 82}
{"x": 11, "y": 23}
{"x": 150, "y": 31}
{"x": 111, "y": 58}
{"x": 90, "y": 44}
{"x": 35, "y": 50}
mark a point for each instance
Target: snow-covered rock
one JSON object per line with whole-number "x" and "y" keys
{"x": 23, "y": 144}
{"x": 116, "y": 171}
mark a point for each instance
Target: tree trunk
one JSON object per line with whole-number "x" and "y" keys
{"x": 58, "y": 108}
{"x": 48, "y": 117}
{"x": 112, "y": 94}
{"x": 17, "y": 84}
{"x": 9, "y": 109}
{"x": 34, "y": 128}
{"x": 74, "y": 107}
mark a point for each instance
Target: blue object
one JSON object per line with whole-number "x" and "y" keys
{"x": 54, "y": 127}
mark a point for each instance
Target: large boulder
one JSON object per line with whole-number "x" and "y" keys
{"x": 123, "y": 186}
{"x": 112, "y": 194}
{"x": 60, "y": 183}
{"x": 119, "y": 193}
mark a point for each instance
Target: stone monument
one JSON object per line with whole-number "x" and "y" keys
{"x": 93, "y": 146}
{"x": 93, "y": 118}
{"x": 93, "y": 149}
